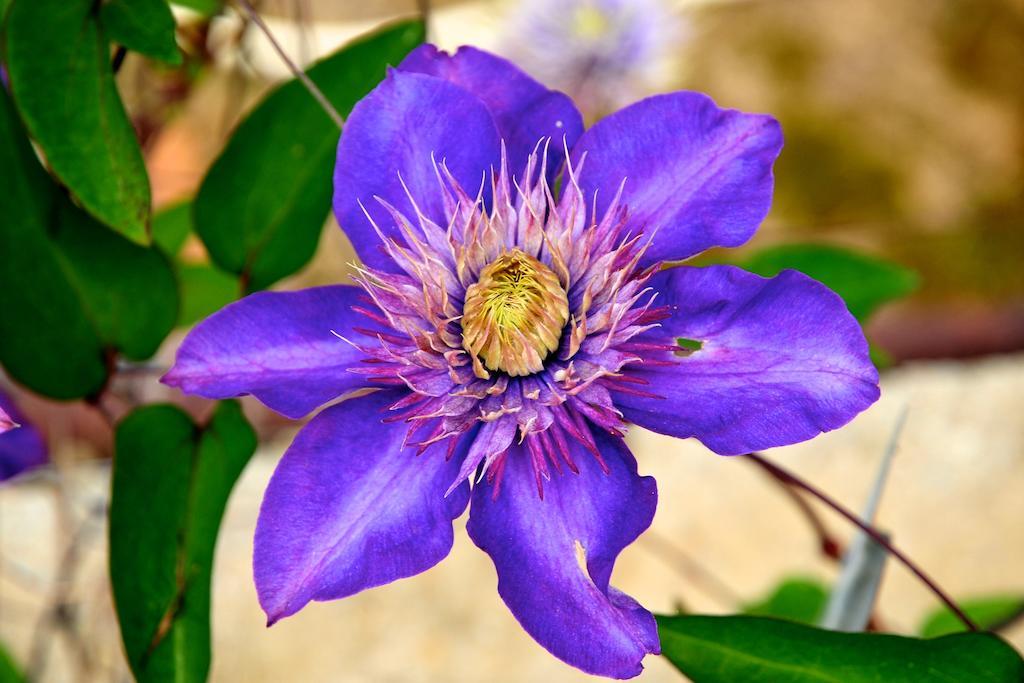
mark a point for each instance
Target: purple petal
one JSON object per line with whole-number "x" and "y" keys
{"x": 696, "y": 176}
{"x": 349, "y": 508}
{"x": 782, "y": 361}
{"x": 401, "y": 128}
{"x": 22, "y": 446}
{"x": 524, "y": 110}
{"x": 281, "y": 347}
{"x": 554, "y": 556}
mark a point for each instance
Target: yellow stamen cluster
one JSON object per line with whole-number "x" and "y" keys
{"x": 513, "y": 315}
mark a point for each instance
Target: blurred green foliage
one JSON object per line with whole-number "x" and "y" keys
{"x": 794, "y": 599}
{"x": 987, "y": 612}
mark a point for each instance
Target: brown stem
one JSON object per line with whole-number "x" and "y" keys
{"x": 317, "y": 94}
{"x": 870, "y": 531}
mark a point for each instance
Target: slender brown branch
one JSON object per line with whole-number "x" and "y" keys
{"x": 317, "y": 94}
{"x": 870, "y": 531}
{"x": 424, "y": 8}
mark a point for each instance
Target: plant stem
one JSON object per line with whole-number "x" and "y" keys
{"x": 317, "y": 94}
{"x": 690, "y": 568}
{"x": 870, "y": 531}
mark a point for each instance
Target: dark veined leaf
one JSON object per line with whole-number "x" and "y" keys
{"x": 763, "y": 650}
{"x": 263, "y": 204}
{"x": 143, "y": 26}
{"x": 171, "y": 483}
{"x": 987, "y": 612}
{"x": 58, "y": 61}
{"x": 796, "y": 599}
{"x": 865, "y": 282}
{"x": 74, "y": 291}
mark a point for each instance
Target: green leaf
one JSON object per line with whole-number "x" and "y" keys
{"x": 144, "y": 26}
{"x": 171, "y": 483}
{"x": 263, "y": 204}
{"x": 128, "y": 291}
{"x": 58, "y": 61}
{"x": 865, "y": 282}
{"x": 987, "y": 612}
{"x": 9, "y": 672}
{"x": 762, "y": 650}
{"x": 204, "y": 291}
{"x": 76, "y": 291}
{"x": 795, "y": 599}
{"x": 171, "y": 227}
{"x": 46, "y": 341}
{"x": 204, "y": 7}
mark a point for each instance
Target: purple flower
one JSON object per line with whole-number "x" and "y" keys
{"x": 510, "y": 332}
{"x": 22, "y": 447}
{"x": 605, "y": 53}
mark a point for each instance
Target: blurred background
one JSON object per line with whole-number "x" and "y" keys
{"x": 904, "y": 125}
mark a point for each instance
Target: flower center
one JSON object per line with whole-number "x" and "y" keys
{"x": 590, "y": 23}
{"x": 513, "y": 315}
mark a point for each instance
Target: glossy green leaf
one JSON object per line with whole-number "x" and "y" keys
{"x": 58, "y": 61}
{"x": 263, "y": 204}
{"x": 143, "y": 26}
{"x": 865, "y": 282}
{"x": 170, "y": 486}
{"x": 987, "y": 612}
{"x": 795, "y": 599}
{"x": 76, "y": 291}
{"x": 204, "y": 291}
{"x": 763, "y": 650}
{"x": 128, "y": 291}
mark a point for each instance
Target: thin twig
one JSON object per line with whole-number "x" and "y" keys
{"x": 690, "y": 568}
{"x": 424, "y": 9}
{"x": 870, "y": 531}
{"x": 317, "y": 94}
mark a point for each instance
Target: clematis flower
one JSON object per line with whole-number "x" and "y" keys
{"x": 509, "y": 331}
{"x": 604, "y": 53}
{"x": 22, "y": 447}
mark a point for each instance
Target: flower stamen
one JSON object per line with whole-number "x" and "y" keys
{"x": 513, "y": 315}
